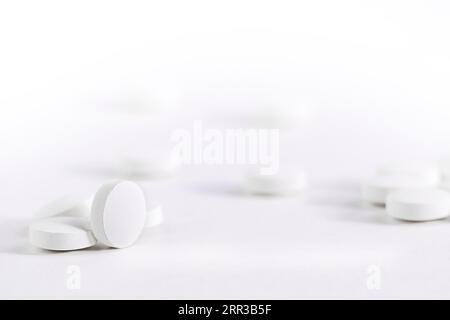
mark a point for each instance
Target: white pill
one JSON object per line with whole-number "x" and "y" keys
{"x": 444, "y": 166}
{"x": 64, "y": 207}
{"x": 445, "y": 185}
{"x": 283, "y": 182}
{"x": 155, "y": 215}
{"x": 418, "y": 204}
{"x": 152, "y": 166}
{"x": 281, "y": 115}
{"x": 377, "y": 189}
{"x": 427, "y": 172}
{"x": 119, "y": 214}
{"x": 61, "y": 233}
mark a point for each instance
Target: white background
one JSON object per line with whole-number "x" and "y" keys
{"x": 82, "y": 83}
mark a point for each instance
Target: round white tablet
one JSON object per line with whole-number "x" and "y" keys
{"x": 445, "y": 185}
{"x": 280, "y": 115}
{"x": 429, "y": 173}
{"x": 153, "y": 166}
{"x": 444, "y": 165}
{"x": 418, "y": 204}
{"x": 61, "y": 234}
{"x": 119, "y": 214}
{"x": 155, "y": 215}
{"x": 283, "y": 182}
{"x": 64, "y": 207}
{"x": 377, "y": 189}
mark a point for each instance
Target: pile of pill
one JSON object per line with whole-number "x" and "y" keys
{"x": 410, "y": 192}
{"x": 116, "y": 217}
{"x": 119, "y": 212}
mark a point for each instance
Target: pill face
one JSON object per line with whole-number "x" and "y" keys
{"x": 429, "y": 173}
{"x": 118, "y": 214}
{"x": 376, "y": 190}
{"x": 418, "y": 204}
{"x": 61, "y": 233}
{"x": 281, "y": 183}
{"x": 64, "y": 207}
{"x": 155, "y": 215}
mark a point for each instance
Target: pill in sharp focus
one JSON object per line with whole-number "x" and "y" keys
{"x": 429, "y": 173}
{"x": 418, "y": 204}
{"x": 281, "y": 183}
{"x": 155, "y": 215}
{"x": 61, "y": 234}
{"x": 118, "y": 214}
{"x": 376, "y": 190}
{"x": 64, "y": 207}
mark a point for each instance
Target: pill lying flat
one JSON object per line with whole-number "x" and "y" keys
{"x": 445, "y": 185}
{"x": 429, "y": 173}
{"x": 377, "y": 189}
{"x": 118, "y": 214}
{"x": 418, "y": 204}
{"x": 444, "y": 166}
{"x": 64, "y": 207}
{"x": 61, "y": 233}
{"x": 71, "y": 207}
{"x": 281, "y": 183}
{"x": 280, "y": 115}
{"x": 153, "y": 166}
{"x": 155, "y": 215}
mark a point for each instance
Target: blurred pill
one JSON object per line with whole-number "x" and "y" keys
{"x": 429, "y": 173}
{"x": 418, "y": 204}
{"x": 445, "y": 169}
{"x": 284, "y": 182}
{"x": 64, "y": 207}
{"x": 376, "y": 190}
{"x": 445, "y": 185}
{"x": 150, "y": 167}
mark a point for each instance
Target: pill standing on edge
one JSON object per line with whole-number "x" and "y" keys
{"x": 429, "y": 173}
{"x": 61, "y": 234}
{"x": 376, "y": 190}
{"x": 418, "y": 204}
{"x": 281, "y": 183}
{"x": 118, "y": 214}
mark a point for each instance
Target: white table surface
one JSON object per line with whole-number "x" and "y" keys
{"x": 216, "y": 242}
{"x": 376, "y": 72}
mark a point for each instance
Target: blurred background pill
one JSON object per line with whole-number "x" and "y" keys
{"x": 418, "y": 204}
{"x": 429, "y": 173}
{"x": 286, "y": 181}
{"x": 376, "y": 189}
{"x": 65, "y": 207}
